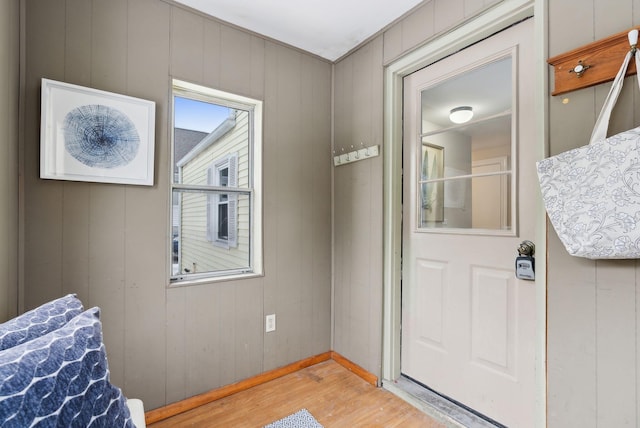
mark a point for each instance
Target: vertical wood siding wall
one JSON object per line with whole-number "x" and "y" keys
{"x": 110, "y": 243}
{"x": 9, "y": 91}
{"x": 593, "y": 323}
{"x": 166, "y": 344}
{"x": 358, "y": 186}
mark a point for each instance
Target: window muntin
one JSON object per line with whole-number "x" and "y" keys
{"x": 465, "y": 171}
{"x": 216, "y": 208}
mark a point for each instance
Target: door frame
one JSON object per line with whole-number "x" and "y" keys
{"x": 492, "y": 20}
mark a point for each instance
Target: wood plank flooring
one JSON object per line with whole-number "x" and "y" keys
{"x": 334, "y": 396}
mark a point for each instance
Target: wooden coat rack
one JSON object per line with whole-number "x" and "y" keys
{"x": 591, "y": 64}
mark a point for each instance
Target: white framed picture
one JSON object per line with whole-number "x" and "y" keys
{"x": 98, "y": 136}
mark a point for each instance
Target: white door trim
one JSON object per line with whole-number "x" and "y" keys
{"x": 502, "y": 15}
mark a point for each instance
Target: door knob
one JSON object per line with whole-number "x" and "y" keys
{"x": 527, "y": 248}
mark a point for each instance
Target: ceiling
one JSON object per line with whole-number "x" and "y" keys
{"x": 327, "y": 28}
{"x": 332, "y": 28}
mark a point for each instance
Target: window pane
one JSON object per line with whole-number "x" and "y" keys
{"x": 223, "y": 220}
{"x": 224, "y": 177}
{"x": 464, "y": 174}
{"x": 486, "y": 90}
{"x": 482, "y": 202}
{"x": 458, "y": 149}
{"x": 212, "y": 237}
{"x": 217, "y": 132}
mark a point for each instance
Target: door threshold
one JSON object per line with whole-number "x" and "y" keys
{"x": 448, "y": 412}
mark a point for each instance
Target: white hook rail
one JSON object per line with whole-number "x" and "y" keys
{"x": 356, "y": 155}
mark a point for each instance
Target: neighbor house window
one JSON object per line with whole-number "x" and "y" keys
{"x": 222, "y": 225}
{"x": 216, "y": 185}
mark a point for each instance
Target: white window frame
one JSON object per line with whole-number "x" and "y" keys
{"x": 255, "y": 108}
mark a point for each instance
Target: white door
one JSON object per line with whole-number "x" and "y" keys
{"x": 468, "y": 325}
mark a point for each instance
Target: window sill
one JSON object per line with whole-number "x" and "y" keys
{"x": 176, "y": 283}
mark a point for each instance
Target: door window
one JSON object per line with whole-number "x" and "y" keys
{"x": 465, "y": 174}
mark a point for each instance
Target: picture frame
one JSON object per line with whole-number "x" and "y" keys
{"x": 95, "y": 136}
{"x": 431, "y": 193}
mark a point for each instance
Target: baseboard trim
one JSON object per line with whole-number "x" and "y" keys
{"x": 190, "y": 403}
{"x": 355, "y": 369}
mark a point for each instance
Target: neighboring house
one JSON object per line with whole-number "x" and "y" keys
{"x": 186, "y": 140}
{"x": 219, "y": 240}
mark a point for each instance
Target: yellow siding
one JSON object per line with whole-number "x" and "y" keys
{"x": 196, "y": 249}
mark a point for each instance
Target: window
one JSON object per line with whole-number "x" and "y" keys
{"x": 465, "y": 173}
{"x": 222, "y": 225}
{"x": 216, "y": 185}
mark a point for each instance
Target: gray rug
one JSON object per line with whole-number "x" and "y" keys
{"x": 300, "y": 419}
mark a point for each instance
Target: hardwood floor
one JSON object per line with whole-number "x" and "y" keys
{"x": 334, "y": 396}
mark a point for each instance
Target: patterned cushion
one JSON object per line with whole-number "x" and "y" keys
{"x": 39, "y": 321}
{"x": 61, "y": 379}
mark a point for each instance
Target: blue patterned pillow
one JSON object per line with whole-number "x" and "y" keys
{"x": 61, "y": 380}
{"x": 39, "y": 321}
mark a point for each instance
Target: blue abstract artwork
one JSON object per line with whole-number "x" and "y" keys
{"x": 100, "y": 136}
{"x": 92, "y": 135}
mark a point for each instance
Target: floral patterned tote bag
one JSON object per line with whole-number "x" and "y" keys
{"x": 592, "y": 193}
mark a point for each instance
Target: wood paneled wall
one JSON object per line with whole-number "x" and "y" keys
{"x": 593, "y": 323}
{"x": 357, "y": 217}
{"x": 9, "y": 108}
{"x": 358, "y": 186}
{"x": 110, "y": 243}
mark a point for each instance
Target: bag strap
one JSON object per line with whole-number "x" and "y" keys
{"x": 602, "y": 124}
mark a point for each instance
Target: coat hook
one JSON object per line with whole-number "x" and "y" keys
{"x": 336, "y": 159}
{"x": 633, "y": 40}
{"x": 579, "y": 69}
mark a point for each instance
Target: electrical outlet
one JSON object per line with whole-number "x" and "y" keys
{"x": 270, "y": 323}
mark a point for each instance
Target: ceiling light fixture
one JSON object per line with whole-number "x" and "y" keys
{"x": 461, "y": 114}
